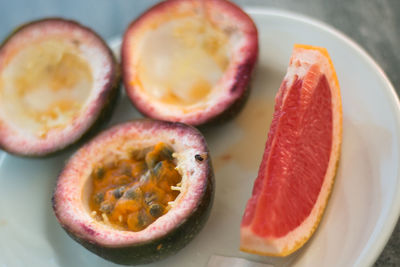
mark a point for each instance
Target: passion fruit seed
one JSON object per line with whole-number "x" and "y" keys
{"x": 98, "y": 172}
{"x": 99, "y": 197}
{"x": 156, "y": 210}
{"x": 198, "y": 157}
{"x": 157, "y": 169}
{"x": 150, "y": 197}
{"x": 145, "y": 177}
{"x": 133, "y": 193}
{"x": 159, "y": 153}
{"x": 106, "y": 207}
{"x": 119, "y": 192}
{"x": 143, "y": 219}
{"x": 166, "y": 152}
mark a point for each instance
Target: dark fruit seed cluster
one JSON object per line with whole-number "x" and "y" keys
{"x": 132, "y": 193}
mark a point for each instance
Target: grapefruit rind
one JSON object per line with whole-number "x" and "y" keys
{"x": 303, "y": 57}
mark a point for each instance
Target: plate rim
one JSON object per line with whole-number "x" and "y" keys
{"x": 383, "y": 230}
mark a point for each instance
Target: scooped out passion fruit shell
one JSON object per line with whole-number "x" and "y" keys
{"x": 171, "y": 230}
{"x": 59, "y": 81}
{"x": 189, "y": 61}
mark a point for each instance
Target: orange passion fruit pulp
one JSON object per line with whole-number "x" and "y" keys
{"x": 132, "y": 193}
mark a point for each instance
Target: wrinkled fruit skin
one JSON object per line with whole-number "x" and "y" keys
{"x": 108, "y": 98}
{"x": 154, "y": 249}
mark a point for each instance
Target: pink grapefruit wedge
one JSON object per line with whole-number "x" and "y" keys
{"x": 300, "y": 159}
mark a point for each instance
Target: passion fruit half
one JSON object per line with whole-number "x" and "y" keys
{"x": 57, "y": 80}
{"x": 137, "y": 192}
{"x": 189, "y": 61}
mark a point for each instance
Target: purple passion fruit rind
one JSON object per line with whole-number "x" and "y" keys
{"x": 228, "y": 38}
{"x": 100, "y": 101}
{"x": 167, "y": 234}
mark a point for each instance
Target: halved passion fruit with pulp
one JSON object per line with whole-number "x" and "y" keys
{"x": 57, "y": 79}
{"x": 138, "y": 192}
{"x": 189, "y": 61}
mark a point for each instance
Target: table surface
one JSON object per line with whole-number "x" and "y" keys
{"x": 372, "y": 24}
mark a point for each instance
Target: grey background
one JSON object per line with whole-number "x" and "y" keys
{"x": 375, "y": 25}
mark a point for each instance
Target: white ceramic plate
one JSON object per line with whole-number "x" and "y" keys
{"x": 365, "y": 203}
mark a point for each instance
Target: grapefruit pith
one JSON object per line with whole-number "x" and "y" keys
{"x": 301, "y": 154}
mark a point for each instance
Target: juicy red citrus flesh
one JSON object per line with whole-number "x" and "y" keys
{"x": 296, "y": 157}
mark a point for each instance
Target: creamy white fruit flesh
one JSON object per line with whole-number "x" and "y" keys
{"x": 181, "y": 61}
{"x": 45, "y": 85}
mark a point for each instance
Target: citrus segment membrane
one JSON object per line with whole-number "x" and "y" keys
{"x": 298, "y": 167}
